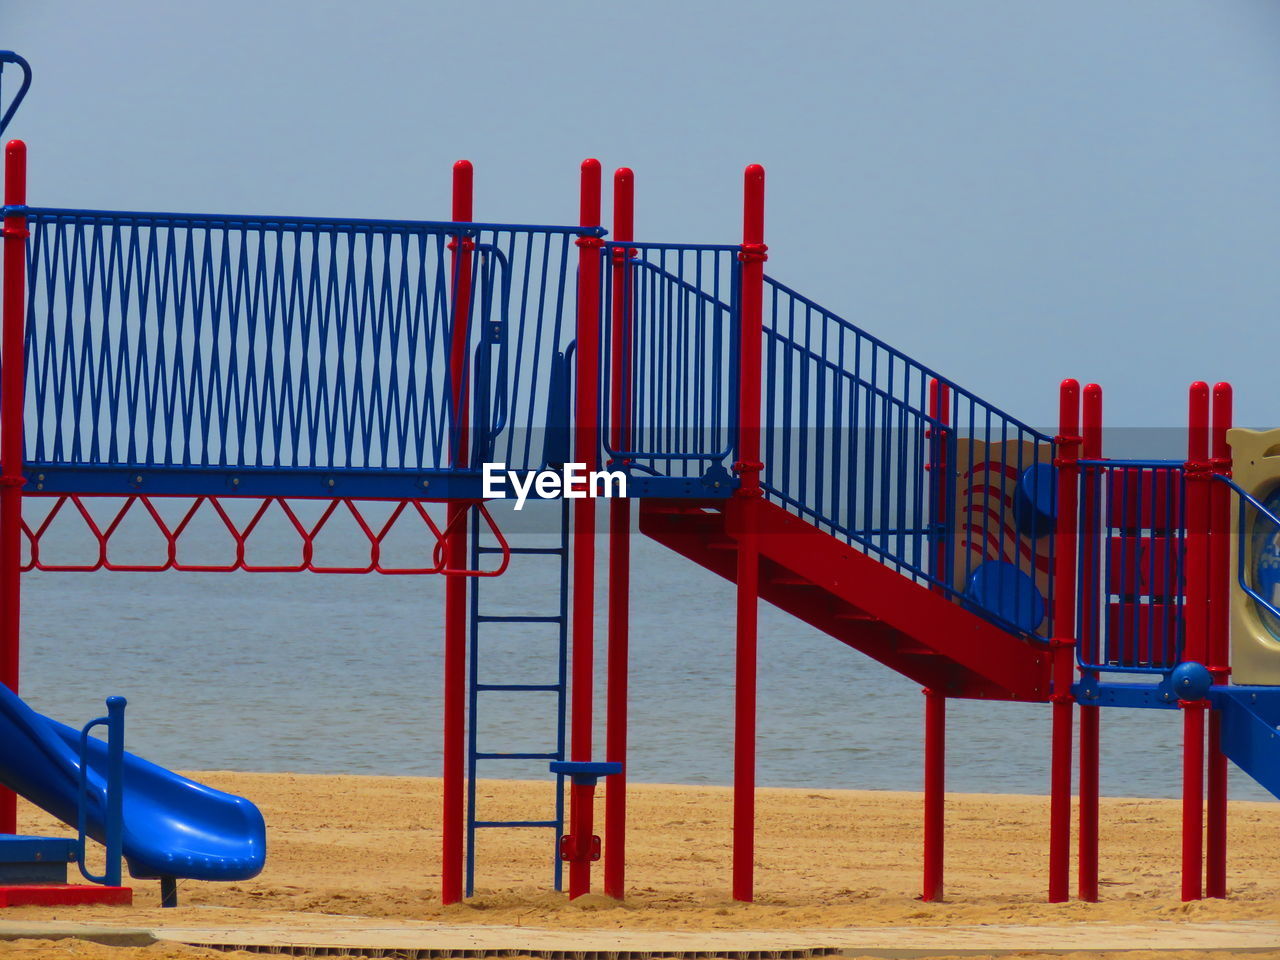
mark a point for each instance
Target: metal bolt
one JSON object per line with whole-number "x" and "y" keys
{"x": 39, "y": 486}
{"x": 425, "y": 484}
{"x": 331, "y": 481}
{"x": 235, "y": 481}
{"x": 40, "y": 477}
{"x": 138, "y": 478}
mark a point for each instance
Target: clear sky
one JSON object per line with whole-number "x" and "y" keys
{"x": 1011, "y": 191}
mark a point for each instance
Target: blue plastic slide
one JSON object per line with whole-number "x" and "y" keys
{"x": 173, "y": 827}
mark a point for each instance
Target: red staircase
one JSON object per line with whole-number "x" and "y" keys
{"x": 915, "y": 630}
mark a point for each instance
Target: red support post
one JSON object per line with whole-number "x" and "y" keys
{"x": 935, "y": 773}
{"x": 1063, "y": 644}
{"x": 939, "y": 410}
{"x": 1090, "y": 716}
{"x": 1219, "y": 641}
{"x": 586, "y": 443}
{"x": 935, "y": 704}
{"x": 751, "y": 302}
{"x": 12, "y": 368}
{"x": 1196, "y": 642}
{"x": 615, "y": 790}
{"x": 455, "y": 597}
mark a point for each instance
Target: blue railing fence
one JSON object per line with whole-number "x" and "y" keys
{"x": 675, "y": 330}
{"x": 1257, "y": 552}
{"x": 853, "y": 443}
{"x": 175, "y": 340}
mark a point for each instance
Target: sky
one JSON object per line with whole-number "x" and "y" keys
{"x": 1010, "y": 192}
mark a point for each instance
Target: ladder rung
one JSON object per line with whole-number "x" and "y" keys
{"x": 520, "y": 687}
{"x": 517, "y": 756}
{"x": 525, "y": 551}
{"x": 515, "y": 823}
{"x": 482, "y": 618}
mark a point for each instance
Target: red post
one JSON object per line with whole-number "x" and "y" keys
{"x": 586, "y": 451}
{"x": 455, "y": 596}
{"x": 1090, "y": 716}
{"x": 935, "y": 703}
{"x": 1063, "y": 644}
{"x": 935, "y": 773}
{"x": 615, "y": 791}
{"x": 1219, "y": 641}
{"x": 1196, "y": 642}
{"x": 751, "y": 301}
{"x": 939, "y": 409}
{"x": 11, "y": 370}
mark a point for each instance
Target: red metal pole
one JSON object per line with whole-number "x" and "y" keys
{"x": 1063, "y": 644}
{"x": 1090, "y": 716}
{"x": 1196, "y": 643}
{"x": 455, "y": 596}
{"x": 1219, "y": 642}
{"x": 751, "y": 300}
{"x": 935, "y": 703}
{"x": 615, "y": 790}
{"x": 935, "y": 772}
{"x": 939, "y": 410}
{"x": 586, "y": 451}
{"x": 11, "y": 370}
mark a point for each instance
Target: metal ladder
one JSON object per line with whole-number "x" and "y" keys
{"x": 560, "y": 685}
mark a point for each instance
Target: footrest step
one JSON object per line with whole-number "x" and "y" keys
{"x": 521, "y": 687}
{"x": 515, "y": 823}
{"x": 517, "y": 756}
{"x": 23, "y": 849}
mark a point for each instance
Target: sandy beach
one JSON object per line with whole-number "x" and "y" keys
{"x": 369, "y": 847}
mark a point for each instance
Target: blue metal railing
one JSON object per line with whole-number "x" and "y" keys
{"x": 8, "y": 56}
{"x": 855, "y": 445}
{"x": 1132, "y": 565}
{"x": 160, "y": 340}
{"x": 678, "y": 344}
{"x": 111, "y": 795}
{"x": 1247, "y": 547}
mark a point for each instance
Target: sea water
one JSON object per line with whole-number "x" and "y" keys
{"x": 317, "y": 673}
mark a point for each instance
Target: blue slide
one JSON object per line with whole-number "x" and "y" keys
{"x": 173, "y": 827}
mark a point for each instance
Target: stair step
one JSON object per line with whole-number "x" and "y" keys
{"x": 857, "y": 615}
{"x": 791, "y": 582}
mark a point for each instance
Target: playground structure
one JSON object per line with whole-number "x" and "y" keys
{"x": 182, "y": 366}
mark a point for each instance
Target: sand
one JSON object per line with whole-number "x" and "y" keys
{"x": 369, "y": 846}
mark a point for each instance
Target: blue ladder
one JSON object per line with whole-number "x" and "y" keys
{"x": 560, "y": 686}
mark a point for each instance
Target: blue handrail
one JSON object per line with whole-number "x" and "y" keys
{"x": 1247, "y": 499}
{"x": 8, "y": 56}
{"x": 112, "y": 796}
{"x": 859, "y": 441}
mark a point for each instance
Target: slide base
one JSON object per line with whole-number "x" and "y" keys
{"x": 64, "y": 895}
